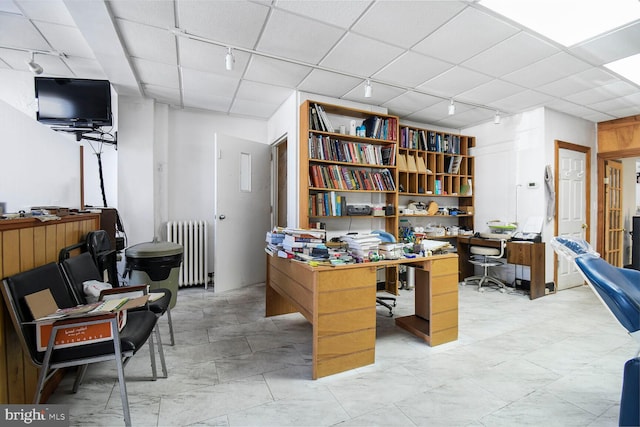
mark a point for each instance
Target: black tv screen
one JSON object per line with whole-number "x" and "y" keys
{"x": 73, "y": 102}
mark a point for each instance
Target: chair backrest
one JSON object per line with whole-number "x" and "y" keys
{"x": 77, "y": 270}
{"x": 618, "y": 288}
{"x": 14, "y": 290}
{"x": 99, "y": 246}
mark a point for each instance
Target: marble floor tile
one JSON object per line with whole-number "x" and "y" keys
{"x": 553, "y": 361}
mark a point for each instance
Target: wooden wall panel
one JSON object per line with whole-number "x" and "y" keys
{"x": 24, "y": 244}
{"x": 619, "y": 135}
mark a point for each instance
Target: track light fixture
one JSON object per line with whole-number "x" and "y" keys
{"x": 229, "y": 60}
{"x": 452, "y": 108}
{"x": 34, "y": 67}
{"x": 368, "y": 90}
{"x": 497, "y": 118}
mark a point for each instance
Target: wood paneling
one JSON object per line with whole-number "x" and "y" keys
{"x": 619, "y": 135}
{"x": 27, "y": 243}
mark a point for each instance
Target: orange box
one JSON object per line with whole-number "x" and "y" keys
{"x": 71, "y": 336}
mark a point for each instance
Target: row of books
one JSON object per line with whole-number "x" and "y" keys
{"x": 419, "y": 139}
{"x": 318, "y": 119}
{"x": 338, "y": 177}
{"x": 322, "y": 147}
{"x": 381, "y": 128}
{"x": 327, "y": 204}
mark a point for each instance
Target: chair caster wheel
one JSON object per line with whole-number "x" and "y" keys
{"x": 481, "y": 290}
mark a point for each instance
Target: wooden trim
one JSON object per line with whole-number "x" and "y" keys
{"x": 82, "y": 177}
{"x": 587, "y": 151}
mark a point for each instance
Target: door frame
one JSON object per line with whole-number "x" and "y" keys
{"x": 587, "y": 152}
{"x": 276, "y": 183}
{"x": 601, "y": 158}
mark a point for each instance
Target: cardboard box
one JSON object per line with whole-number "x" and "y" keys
{"x": 46, "y": 312}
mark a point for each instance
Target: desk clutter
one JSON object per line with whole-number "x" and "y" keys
{"x": 310, "y": 246}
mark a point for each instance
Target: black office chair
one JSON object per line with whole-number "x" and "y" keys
{"x": 79, "y": 269}
{"x": 121, "y": 348}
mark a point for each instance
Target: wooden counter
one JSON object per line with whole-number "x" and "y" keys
{"x": 340, "y": 303}
{"x": 26, "y": 243}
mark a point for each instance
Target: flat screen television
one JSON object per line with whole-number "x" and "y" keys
{"x": 73, "y": 102}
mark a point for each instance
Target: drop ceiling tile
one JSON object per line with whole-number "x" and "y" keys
{"x": 272, "y": 71}
{"x": 47, "y": 11}
{"x": 510, "y": 55}
{"x": 237, "y": 23}
{"x": 603, "y": 93}
{"x": 473, "y": 116}
{"x": 210, "y": 58}
{"x": 157, "y": 73}
{"x": 578, "y": 82}
{"x": 491, "y": 91}
{"x": 342, "y": 15}
{"x": 53, "y": 66}
{"x": 9, "y": 7}
{"x": 260, "y": 92}
{"x": 66, "y": 39}
{"x": 522, "y": 101}
{"x": 156, "y": 13}
{"x": 205, "y": 84}
{"x": 411, "y": 69}
{"x": 436, "y": 112}
{"x": 143, "y": 41}
{"x": 612, "y": 105}
{"x": 466, "y": 35}
{"x": 360, "y": 56}
{"x": 547, "y": 70}
{"x": 610, "y": 47}
{"x": 250, "y": 108}
{"x": 599, "y": 117}
{"x": 569, "y": 108}
{"x": 208, "y": 102}
{"x": 296, "y": 37}
{"x": 454, "y": 81}
{"x": 84, "y": 68}
{"x": 329, "y": 84}
{"x": 405, "y": 23}
{"x": 17, "y": 31}
{"x": 411, "y": 101}
{"x": 625, "y": 112}
{"x": 380, "y": 93}
{"x": 163, "y": 94}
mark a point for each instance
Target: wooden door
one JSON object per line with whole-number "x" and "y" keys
{"x": 281, "y": 188}
{"x": 613, "y": 221}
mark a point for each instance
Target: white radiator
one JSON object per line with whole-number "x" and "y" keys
{"x": 192, "y": 235}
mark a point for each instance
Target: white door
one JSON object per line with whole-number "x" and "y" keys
{"x": 242, "y": 212}
{"x": 571, "y": 199}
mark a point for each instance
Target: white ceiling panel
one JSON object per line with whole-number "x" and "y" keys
{"x": 547, "y": 70}
{"x": 472, "y": 115}
{"x": 412, "y": 20}
{"x": 603, "y": 93}
{"x": 359, "y": 55}
{"x": 143, "y": 41}
{"x": 436, "y": 112}
{"x": 70, "y": 38}
{"x": 329, "y": 84}
{"x": 237, "y": 23}
{"x": 524, "y": 100}
{"x": 510, "y": 55}
{"x": 267, "y": 70}
{"x": 411, "y": 69}
{"x": 163, "y": 94}
{"x": 259, "y": 109}
{"x": 380, "y": 93}
{"x": 83, "y": 68}
{"x": 150, "y": 12}
{"x": 204, "y": 84}
{"x": 292, "y": 36}
{"x": 261, "y": 92}
{"x": 157, "y": 73}
{"x": 569, "y": 108}
{"x": 454, "y": 81}
{"x": 342, "y": 15}
{"x": 593, "y": 77}
{"x": 53, "y": 11}
{"x": 17, "y": 31}
{"x": 466, "y": 35}
{"x": 411, "y": 101}
{"x": 489, "y": 92}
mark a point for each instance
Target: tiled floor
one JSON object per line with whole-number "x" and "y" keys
{"x": 554, "y": 361}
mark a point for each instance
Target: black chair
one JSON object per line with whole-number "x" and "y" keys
{"x": 120, "y": 348}
{"x": 99, "y": 246}
{"x": 79, "y": 269}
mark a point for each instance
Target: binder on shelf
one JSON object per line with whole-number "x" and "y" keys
{"x": 402, "y": 163}
{"x": 422, "y": 167}
{"x": 411, "y": 163}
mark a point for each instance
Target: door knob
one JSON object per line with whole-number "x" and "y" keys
{"x": 221, "y": 217}
{"x": 584, "y": 226}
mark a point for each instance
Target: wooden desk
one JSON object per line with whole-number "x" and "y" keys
{"x": 340, "y": 303}
{"x": 521, "y": 253}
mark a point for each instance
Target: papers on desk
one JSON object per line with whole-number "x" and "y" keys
{"x": 434, "y": 245}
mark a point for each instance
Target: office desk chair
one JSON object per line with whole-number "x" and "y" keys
{"x": 619, "y": 290}
{"x": 387, "y": 302}
{"x": 487, "y": 257}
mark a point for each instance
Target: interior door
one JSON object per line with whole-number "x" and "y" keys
{"x": 571, "y": 215}
{"x": 613, "y": 226}
{"x": 242, "y": 212}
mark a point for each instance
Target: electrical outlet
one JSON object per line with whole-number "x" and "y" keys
{"x": 532, "y": 185}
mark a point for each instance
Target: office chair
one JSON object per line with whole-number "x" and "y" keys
{"x": 120, "y": 348}
{"x": 79, "y": 269}
{"x": 106, "y": 259}
{"x": 619, "y": 290}
{"x": 487, "y": 257}
{"x": 387, "y": 302}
